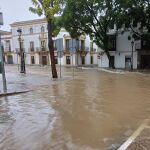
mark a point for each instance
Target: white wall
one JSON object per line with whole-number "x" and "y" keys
{"x": 103, "y": 61}
{"x": 124, "y": 48}
{"x": 95, "y": 59}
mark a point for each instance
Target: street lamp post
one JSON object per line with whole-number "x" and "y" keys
{"x": 23, "y": 70}
{"x": 132, "y": 44}
{"x": 2, "y": 59}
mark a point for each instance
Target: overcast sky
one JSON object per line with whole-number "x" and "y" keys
{"x": 15, "y": 10}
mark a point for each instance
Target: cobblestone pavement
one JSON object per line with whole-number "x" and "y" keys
{"x": 140, "y": 139}
{"x": 142, "y": 142}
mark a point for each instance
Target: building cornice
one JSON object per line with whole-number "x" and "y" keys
{"x": 28, "y": 22}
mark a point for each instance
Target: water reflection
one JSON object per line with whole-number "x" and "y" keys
{"x": 96, "y": 110}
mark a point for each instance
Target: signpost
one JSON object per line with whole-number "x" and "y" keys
{"x": 59, "y": 47}
{"x": 72, "y": 45}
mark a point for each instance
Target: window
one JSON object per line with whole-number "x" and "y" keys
{"x": 42, "y": 29}
{"x": 67, "y": 45}
{"x": 43, "y": 45}
{"x": 8, "y": 47}
{"x": 112, "y": 42}
{"x": 77, "y": 44}
{"x": 32, "y": 46}
{"x": 68, "y": 60}
{"x": 31, "y": 30}
{"x": 82, "y": 45}
{"x": 32, "y": 60}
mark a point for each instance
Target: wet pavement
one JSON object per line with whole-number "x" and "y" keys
{"x": 94, "y": 111}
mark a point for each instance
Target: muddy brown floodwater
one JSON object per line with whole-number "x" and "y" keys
{"x": 93, "y": 111}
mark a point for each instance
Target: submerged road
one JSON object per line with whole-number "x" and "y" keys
{"x": 94, "y": 111}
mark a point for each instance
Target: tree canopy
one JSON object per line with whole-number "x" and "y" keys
{"x": 135, "y": 15}
{"x": 96, "y": 17}
{"x": 93, "y": 17}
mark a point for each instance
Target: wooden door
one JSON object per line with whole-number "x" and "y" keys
{"x": 44, "y": 60}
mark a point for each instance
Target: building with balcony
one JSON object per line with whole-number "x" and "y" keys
{"x": 34, "y": 41}
{"x": 9, "y": 54}
{"x": 123, "y": 51}
{"x": 143, "y": 52}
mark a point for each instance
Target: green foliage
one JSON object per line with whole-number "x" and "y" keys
{"x": 45, "y": 7}
{"x": 56, "y": 26}
{"x": 135, "y": 14}
{"x": 93, "y": 17}
{"x": 48, "y": 8}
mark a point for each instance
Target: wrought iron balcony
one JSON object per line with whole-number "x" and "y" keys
{"x": 32, "y": 49}
{"x": 7, "y": 49}
{"x": 43, "y": 36}
{"x": 41, "y": 49}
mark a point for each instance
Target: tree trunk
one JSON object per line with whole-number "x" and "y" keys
{"x": 51, "y": 50}
{"x": 111, "y": 63}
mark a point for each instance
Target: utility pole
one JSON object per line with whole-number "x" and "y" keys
{"x": 2, "y": 59}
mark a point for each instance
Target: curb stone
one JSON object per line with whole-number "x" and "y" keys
{"x": 13, "y": 93}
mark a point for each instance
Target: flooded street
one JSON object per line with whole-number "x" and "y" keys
{"x": 94, "y": 111}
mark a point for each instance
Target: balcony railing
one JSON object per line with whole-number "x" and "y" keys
{"x": 31, "y": 50}
{"x": 17, "y": 50}
{"x": 83, "y": 51}
{"x": 42, "y": 49}
{"x": 43, "y": 36}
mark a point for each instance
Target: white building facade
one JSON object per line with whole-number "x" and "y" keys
{"x": 124, "y": 51}
{"x": 6, "y": 39}
{"x": 34, "y": 42}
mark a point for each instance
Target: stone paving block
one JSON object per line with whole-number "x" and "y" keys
{"x": 142, "y": 142}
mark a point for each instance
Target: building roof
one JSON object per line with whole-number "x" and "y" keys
{"x": 35, "y": 21}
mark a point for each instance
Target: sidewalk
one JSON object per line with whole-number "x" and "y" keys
{"x": 115, "y": 71}
{"x": 140, "y": 139}
{"x": 123, "y": 71}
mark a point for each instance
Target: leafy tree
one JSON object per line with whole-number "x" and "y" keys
{"x": 93, "y": 17}
{"x": 48, "y": 8}
{"x": 135, "y": 16}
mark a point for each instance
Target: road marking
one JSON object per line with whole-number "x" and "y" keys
{"x": 131, "y": 139}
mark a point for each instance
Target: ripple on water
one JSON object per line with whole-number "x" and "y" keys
{"x": 94, "y": 111}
